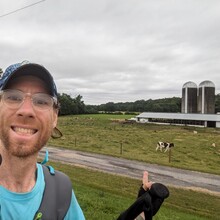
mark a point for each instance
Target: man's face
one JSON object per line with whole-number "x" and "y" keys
{"x": 25, "y": 130}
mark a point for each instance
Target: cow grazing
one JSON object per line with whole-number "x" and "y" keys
{"x": 164, "y": 145}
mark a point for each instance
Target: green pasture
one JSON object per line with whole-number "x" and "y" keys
{"x": 104, "y": 196}
{"x": 103, "y": 134}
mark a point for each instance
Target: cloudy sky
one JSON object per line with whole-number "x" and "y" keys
{"x": 115, "y": 50}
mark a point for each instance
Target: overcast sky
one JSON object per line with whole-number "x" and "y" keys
{"x": 115, "y": 50}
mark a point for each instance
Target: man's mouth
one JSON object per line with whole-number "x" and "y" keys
{"x": 25, "y": 131}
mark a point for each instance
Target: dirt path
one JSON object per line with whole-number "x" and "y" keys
{"x": 169, "y": 176}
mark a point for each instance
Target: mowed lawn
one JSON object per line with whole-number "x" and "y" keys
{"x": 106, "y": 134}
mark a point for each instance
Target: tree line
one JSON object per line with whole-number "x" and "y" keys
{"x": 71, "y": 106}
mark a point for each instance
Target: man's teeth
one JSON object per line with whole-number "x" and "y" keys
{"x": 24, "y": 130}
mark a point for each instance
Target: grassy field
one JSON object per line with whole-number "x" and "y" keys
{"x": 104, "y": 196}
{"x": 103, "y": 134}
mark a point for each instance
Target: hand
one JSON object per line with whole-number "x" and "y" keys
{"x": 146, "y": 184}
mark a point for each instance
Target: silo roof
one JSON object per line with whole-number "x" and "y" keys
{"x": 207, "y": 83}
{"x": 189, "y": 84}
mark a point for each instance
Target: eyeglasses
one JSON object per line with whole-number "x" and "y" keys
{"x": 40, "y": 101}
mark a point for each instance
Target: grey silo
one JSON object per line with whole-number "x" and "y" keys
{"x": 189, "y": 98}
{"x": 206, "y": 97}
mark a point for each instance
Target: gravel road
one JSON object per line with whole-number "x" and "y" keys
{"x": 167, "y": 175}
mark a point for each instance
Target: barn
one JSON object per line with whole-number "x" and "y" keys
{"x": 187, "y": 119}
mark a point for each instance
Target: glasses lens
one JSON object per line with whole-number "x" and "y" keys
{"x": 42, "y": 101}
{"x": 13, "y": 98}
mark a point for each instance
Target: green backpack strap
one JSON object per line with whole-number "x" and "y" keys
{"x": 57, "y": 195}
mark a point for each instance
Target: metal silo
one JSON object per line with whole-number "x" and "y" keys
{"x": 189, "y": 98}
{"x": 206, "y": 98}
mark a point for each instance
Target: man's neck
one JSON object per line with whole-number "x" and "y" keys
{"x": 18, "y": 174}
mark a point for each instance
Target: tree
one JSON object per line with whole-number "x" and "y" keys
{"x": 110, "y": 107}
{"x": 67, "y": 105}
{"x": 217, "y": 103}
{"x": 71, "y": 106}
{"x": 80, "y": 104}
{"x": 1, "y": 71}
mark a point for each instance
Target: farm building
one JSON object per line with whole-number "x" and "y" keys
{"x": 198, "y": 100}
{"x": 206, "y": 97}
{"x": 189, "y": 98}
{"x": 189, "y": 119}
{"x": 197, "y": 108}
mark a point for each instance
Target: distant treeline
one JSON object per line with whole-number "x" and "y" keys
{"x": 71, "y": 106}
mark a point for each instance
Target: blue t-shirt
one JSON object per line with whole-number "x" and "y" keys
{"x": 14, "y": 206}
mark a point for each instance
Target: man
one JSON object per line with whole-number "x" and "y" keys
{"x": 28, "y": 117}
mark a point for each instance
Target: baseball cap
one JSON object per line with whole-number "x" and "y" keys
{"x": 27, "y": 68}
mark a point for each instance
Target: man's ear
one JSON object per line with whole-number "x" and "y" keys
{"x": 56, "y": 133}
{"x": 55, "y": 118}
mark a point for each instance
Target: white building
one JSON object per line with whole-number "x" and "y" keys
{"x": 193, "y": 119}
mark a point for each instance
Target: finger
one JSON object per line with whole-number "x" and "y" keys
{"x": 145, "y": 177}
{"x": 146, "y": 184}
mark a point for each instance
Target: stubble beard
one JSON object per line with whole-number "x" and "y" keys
{"x": 21, "y": 150}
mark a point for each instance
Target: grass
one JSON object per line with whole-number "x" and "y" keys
{"x": 104, "y": 196}
{"x": 101, "y": 134}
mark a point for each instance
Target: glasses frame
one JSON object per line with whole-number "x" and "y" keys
{"x": 55, "y": 104}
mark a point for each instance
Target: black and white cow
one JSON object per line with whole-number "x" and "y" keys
{"x": 164, "y": 145}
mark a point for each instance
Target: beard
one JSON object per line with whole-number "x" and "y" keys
{"x": 22, "y": 149}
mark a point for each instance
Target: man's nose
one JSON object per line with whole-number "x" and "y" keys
{"x": 26, "y": 107}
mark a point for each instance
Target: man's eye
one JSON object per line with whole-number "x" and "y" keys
{"x": 14, "y": 98}
{"x": 41, "y": 102}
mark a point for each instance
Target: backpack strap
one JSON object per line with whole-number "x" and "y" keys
{"x": 57, "y": 196}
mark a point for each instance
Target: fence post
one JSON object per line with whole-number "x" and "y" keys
{"x": 121, "y": 148}
{"x": 170, "y": 155}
